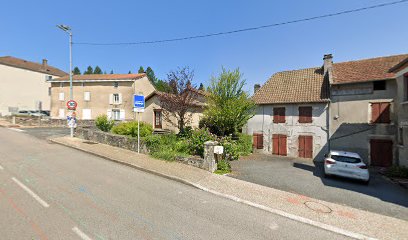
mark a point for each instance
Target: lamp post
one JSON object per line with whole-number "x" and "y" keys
{"x": 68, "y": 30}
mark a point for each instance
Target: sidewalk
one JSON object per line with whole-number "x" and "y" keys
{"x": 332, "y": 217}
{"x": 6, "y": 124}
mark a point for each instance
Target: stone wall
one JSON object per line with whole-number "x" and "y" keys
{"x": 192, "y": 161}
{"x": 45, "y": 121}
{"x": 95, "y": 135}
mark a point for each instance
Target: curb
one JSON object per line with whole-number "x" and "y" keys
{"x": 278, "y": 212}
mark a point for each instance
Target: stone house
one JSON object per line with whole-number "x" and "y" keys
{"x": 291, "y": 117}
{"x": 24, "y": 84}
{"x": 360, "y": 106}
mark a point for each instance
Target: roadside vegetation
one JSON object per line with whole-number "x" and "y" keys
{"x": 397, "y": 172}
{"x": 228, "y": 109}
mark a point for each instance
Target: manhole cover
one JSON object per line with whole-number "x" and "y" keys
{"x": 318, "y": 207}
{"x": 89, "y": 142}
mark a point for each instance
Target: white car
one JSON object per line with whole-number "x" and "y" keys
{"x": 346, "y": 164}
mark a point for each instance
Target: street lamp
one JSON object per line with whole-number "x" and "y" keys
{"x": 67, "y": 29}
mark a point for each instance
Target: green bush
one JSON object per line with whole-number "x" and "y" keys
{"x": 244, "y": 144}
{"x": 103, "y": 123}
{"x": 186, "y": 132}
{"x": 397, "y": 172}
{"x": 223, "y": 167}
{"x": 130, "y": 129}
{"x": 233, "y": 149}
{"x": 197, "y": 139}
{"x": 166, "y": 147}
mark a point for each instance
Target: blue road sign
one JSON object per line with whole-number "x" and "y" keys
{"x": 138, "y": 102}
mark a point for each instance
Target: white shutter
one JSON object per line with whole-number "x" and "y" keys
{"x": 86, "y": 114}
{"x": 87, "y": 96}
{"x": 61, "y": 96}
{"x": 61, "y": 113}
{"x": 110, "y": 99}
{"x": 120, "y": 98}
{"x": 122, "y": 114}
{"x": 109, "y": 114}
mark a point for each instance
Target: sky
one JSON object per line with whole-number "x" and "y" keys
{"x": 28, "y": 31}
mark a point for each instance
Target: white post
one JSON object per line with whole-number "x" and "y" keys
{"x": 138, "y": 132}
{"x": 71, "y": 93}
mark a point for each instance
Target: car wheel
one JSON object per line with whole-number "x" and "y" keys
{"x": 325, "y": 175}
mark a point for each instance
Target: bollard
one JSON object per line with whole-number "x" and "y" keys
{"x": 210, "y": 163}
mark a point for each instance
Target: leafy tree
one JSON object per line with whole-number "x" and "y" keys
{"x": 129, "y": 72}
{"x": 141, "y": 70}
{"x": 97, "y": 70}
{"x": 162, "y": 86}
{"x": 201, "y": 86}
{"x": 76, "y": 71}
{"x": 150, "y": 74}
{"x": 181, "y": 98}
{"x": 89, "y": 70}
{"x": 229, "y": 107}
{"x": 111, "y": 72}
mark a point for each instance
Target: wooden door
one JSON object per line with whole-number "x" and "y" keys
{"x": 258, "y": 140}
{"x": 305, "y": 146}
{"x": 381, "y": 152}
{"x": 158, "y": 118}
{"x": 279, "y": 143}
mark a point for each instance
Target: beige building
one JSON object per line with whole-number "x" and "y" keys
{"x": 111, "y": 94}
{"x": 24, "y": 84}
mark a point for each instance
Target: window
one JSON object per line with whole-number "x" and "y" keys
{"x": 61, "y": 96}
{"x": 48, "y": 78}
{"x": 115, "y": 98}
{"x": 346, "y": 159}
{"x": 380, "y": 112}
{"x": 61, "y": 85}
{"x": 87, "y": 96}
{"x": 401, "y": 136}
{"x": 83, "y": 84}
{"x": 379, "y": 85}
{"x": 61, "y": 113}
{"x": 305, "y": 114}
{"x": 279, "y": 115}
{"x": 115, "y": 84}
{"x": 158, "y": 118}
{"x": 115, "y": 114}
{"x": 49, "y": 91}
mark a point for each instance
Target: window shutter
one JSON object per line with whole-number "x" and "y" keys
{"x": 375, "y": 112}
{"x": 109, "y": 114}
{"x": 110, "y": 99}
{"x": 122, "y": 114}
{"x": 61, "y": 113}
{"x": 61, "y": 96}
{"x": 255, "y": 141}
{"x": 87, "y": 96}
{"x": 120, "y": 98}
{"x": 275, "y": 115}
{"x": 260, "y": 141}
{"x": 385, "y": 112}
{"x": 308, "y": 114}
{"x": 301, "y": 115}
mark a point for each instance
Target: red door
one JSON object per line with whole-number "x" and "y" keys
{"x": 305, "y": 146}
{"x": 279, "y": 144}
{"x": 381, "y": 152}
{"x": 258, "y": 140}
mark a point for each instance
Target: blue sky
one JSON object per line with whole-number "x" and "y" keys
{"x": 29, "y": 32}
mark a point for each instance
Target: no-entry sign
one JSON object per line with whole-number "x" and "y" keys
{"x": 71, "y": 105}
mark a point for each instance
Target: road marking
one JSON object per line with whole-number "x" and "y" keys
{"x": 17, "y": 130}
{"x": 81, "y": 234}
{"x": 35, "y": 196}
{"x": 290, "y": 216}
{"x": 1, "y": 168}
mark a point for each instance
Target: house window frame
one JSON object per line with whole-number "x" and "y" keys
{"x": 278, "y": 117}
{"x": 115, "y": 114}
{"x": 155, "y": 113}
{"x": 380, "y": 119}
{"x": 401, "y": 136}
{"x": 380, "y": 85}
{"x": 116, "y": 98}
{"x": 304, "y": 118}
{"x": 116, "y": 84}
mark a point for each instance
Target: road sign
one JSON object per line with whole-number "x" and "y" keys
{"x": 138, "y": 103}
{"x": 218, "y": 149}
{"x": 71, "y": 105}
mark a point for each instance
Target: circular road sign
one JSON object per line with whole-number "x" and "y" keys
{"x": 71, "y": 105}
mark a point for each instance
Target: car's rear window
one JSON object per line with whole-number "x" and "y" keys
{"x": 346, "y": 159}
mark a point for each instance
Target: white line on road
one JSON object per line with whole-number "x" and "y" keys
{"x": 35, "y": 196}
{"x": 1, "y": 168}
{"x": 17, "y": 130}
{"x": 81, "y": 234}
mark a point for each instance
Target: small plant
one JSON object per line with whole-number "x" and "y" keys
{"x": 197, "y": 140}
{"x": 223, "y": 167}
{"x": 130, "y": 129}
{"x": 103, "y": 123}
{"x": 166, "y": 147}
{"x": 397, "y": 172}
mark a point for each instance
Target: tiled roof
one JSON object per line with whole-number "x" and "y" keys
{"x": 298, "y": 86}
{"x": 102, "y": 77}
{"x": 366, "y": 70}
{"x": 33, "y": 66}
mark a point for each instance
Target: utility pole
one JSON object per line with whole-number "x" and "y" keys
{"x": 68, "y": 30}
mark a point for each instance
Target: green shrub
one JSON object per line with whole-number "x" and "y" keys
{"x": 130, "y": 129}
{"x": 186, "y": 132}
{"x": 103, "y": 123}
{"x": 166, "y": 147}
{"x": 397, "y": 172}
{"x": 197, "y": 140}
{"x": 244, "y": 144}
{"x": 223, "y": 167}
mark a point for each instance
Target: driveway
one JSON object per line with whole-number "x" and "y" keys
{"x": 305, "y": 178}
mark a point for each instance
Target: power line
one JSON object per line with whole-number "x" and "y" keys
{"x": 247, "y": 29}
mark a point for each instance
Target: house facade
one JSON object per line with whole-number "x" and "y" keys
{"x": 24, "y": 84}
{"x": 358, "y": 106}
{"x": 291, "y": 116}
{"x": 99, "y": 94}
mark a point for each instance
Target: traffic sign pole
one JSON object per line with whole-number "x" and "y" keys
{"x": 138, "y": 132}
{"x": 138, "y": 106}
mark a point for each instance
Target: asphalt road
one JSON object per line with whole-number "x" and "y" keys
{"x": 48, "y": 191}
{"x": 303, "y": 177}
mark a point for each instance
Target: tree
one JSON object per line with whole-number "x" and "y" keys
{"x": 111, "y": 72}
{"x": 201, "y": 87}
{"x": 89, "y": 70}
{"x": 181, "y": 99}
{"x": 76, "y": 71}
{"x": 97, "y": 70}
{"x": 150, "y": 74}
{"x": 141, "y": 70}
{"x": 130, "y": 72}
{"x": 229, "y": 107}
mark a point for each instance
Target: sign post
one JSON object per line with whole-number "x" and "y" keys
{"x": 138, "y": 106}
{"x": 71, "y": 119}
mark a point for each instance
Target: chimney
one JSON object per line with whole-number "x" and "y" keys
{"x": 256, "y": 87}
{"x": 328, "y": 62}
{"x": 45, "y": 62}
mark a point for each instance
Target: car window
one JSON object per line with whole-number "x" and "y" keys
{"x": 346, "y": 159}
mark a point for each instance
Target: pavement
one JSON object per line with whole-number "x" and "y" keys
{"x": 49, "y": 191}
{"x": 305, "y": 177}
{"x": 340, "y": 219}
